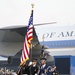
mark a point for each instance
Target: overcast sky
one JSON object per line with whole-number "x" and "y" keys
{"x": 17, "y": 12}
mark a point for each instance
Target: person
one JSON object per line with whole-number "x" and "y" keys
{"x": 34, "y": 67}
{"x": 1, "y": 71}
{"x": 44, "y": 67}
{"x": 54, "y": 71}
{"x": 23, "y": 69}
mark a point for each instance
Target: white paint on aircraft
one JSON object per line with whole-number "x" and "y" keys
{"x": 55, "y": 33}
{"x": 61, "y": 51}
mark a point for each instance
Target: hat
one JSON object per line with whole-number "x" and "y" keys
{"x": 53, "y": 66}
{"x": 43, "y": 59}
{"x": 34, "y": 60}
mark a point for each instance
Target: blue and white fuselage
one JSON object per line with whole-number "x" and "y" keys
{"x": 55, "y": 37}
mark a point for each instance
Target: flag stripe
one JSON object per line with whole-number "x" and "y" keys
{"x": 27, "y": 50}
{"x": 30, "y": 38}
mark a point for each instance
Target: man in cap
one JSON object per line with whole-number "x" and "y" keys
{"x": 34, "y": 67}
{"x": 43, "y": 67}
{"x": 54, "y": 71}
{"x": 23, "y": 69}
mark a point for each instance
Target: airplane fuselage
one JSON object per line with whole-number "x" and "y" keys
{"x": 56, "y": 36}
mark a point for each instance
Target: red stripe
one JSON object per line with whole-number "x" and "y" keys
{"x": 29, "y": 43}
{"x": 23, "y": 53}
{"x": 30, "y": 28}
{"x": 31, "y": 37}
{"x": 24, "y": 56}
{"x": 30, "y": 32}
{"x": 26, "y": 49}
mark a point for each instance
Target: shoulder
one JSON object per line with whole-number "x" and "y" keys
{"x": 46, "y": 66}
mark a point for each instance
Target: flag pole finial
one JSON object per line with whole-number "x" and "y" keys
{"x": 32, "y": 5}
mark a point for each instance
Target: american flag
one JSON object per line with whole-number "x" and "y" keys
{"x": 27, "y": 43}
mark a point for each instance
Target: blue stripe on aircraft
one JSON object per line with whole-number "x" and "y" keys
{"x": 59, "y": 44}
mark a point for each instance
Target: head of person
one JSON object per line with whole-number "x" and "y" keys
{"x": 53, "y": 68}
{"x": 43, "y": 61}
{"x": 34, "y": 61}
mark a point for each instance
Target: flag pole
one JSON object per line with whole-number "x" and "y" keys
{"x": 31, "y": 46}
{"x": 31, "y": 41}
{"x": 42, "y": 51}
{"x": 43, "y": 39}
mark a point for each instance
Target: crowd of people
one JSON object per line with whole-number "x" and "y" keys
{"x": 34, "y": 69}
{"x": 4, "y": 71}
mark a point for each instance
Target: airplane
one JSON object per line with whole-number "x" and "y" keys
{"x": 50, "y": 36}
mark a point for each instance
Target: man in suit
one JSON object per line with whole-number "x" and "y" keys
{"x": 44, "y": 67}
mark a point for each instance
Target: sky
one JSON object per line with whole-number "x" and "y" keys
{"x": 17, "y": 12}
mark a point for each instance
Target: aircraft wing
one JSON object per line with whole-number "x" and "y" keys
{"x": 12, "y": 38}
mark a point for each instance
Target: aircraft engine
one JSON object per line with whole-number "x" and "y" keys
{"x": 10, "y": 60}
